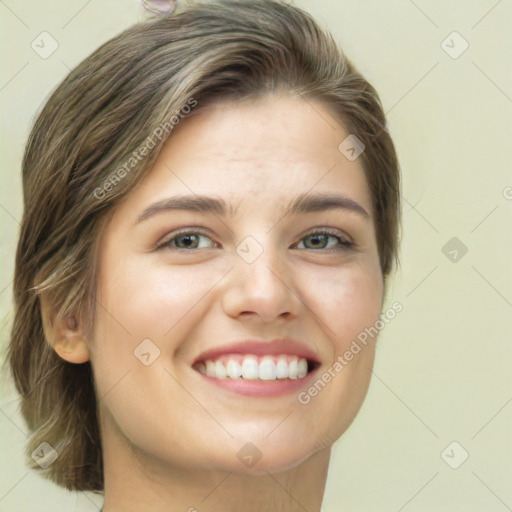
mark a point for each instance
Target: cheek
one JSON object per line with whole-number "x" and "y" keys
{"x": 351, "y": 301}
{"x": 139, "y": 301}
{"x": 348, "y": 301}
{"x": 142, "y": 299}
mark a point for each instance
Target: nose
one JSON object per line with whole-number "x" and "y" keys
{"x": 263, "y": 288}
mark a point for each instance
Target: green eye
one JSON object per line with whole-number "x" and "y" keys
{"x": 185, "y": 240}
{"x": 318, "y": 240}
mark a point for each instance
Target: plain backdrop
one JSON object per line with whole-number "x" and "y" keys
{"x": 441, "y": 389}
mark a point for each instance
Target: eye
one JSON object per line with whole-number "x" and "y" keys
{"x": 185, "y": 240}
{"x": 190, "y": 239}
{"x": 320, "y": 240}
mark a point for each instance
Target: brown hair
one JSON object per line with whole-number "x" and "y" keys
{"x": 79, "y": 163}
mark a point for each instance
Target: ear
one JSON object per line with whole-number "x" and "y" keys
{"x": 66, "y": 336}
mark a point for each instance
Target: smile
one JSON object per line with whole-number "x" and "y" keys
{"x": 258, "y": 376}
{"x": 259, "y": 367}
{"x": 252, "y": 367}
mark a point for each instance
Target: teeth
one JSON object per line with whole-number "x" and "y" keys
{"x": 220, "y": 370}
{"x": 302, "y": 368}
{"x": 267, "y": 369}
{"x": 210, "y": 369}
{"x": 234, "y": 370}
{"x": 282, "y": 368}
{"x": 251, "y": 367}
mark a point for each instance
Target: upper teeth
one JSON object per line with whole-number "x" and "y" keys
{"x": 251, "y": 367}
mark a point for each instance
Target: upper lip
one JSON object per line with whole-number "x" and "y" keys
{"x": 260, "y": 348}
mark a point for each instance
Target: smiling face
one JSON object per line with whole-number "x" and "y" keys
{"x": 189, "y": 281}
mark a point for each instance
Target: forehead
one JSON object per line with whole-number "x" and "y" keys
{"x": 256, "y": 155}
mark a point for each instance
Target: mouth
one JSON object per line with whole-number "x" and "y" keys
{"x": 251, "y": 367}
{"x": 258, "y": 368}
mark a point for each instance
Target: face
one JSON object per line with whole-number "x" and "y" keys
{"x": 179, "y": 287}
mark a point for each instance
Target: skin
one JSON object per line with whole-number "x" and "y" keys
{"x": 170, "y": 439}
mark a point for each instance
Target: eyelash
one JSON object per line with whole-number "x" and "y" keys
{"x": 343, "y": 243}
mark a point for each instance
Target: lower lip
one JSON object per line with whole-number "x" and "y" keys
{"x": 256, "y": 387}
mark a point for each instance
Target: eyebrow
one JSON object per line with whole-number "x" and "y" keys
{"x": 304, "y": 203}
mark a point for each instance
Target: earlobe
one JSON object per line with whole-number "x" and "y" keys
{"x": 74, "y": 350}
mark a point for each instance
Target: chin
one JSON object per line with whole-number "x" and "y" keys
{"x": 262, "y": 456}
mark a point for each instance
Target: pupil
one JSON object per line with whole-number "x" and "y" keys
{"x": 188, "y": 239}
{"x": 315, "y": 239}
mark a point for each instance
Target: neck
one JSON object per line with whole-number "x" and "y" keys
{"x": 134, "y": 482}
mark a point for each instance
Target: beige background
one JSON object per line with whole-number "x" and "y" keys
{"x": 443, "y": 366}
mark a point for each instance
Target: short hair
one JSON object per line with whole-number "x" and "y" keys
{"x": 131, "y": 87}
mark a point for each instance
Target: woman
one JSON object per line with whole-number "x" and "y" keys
{"x": 211, "y": 218}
